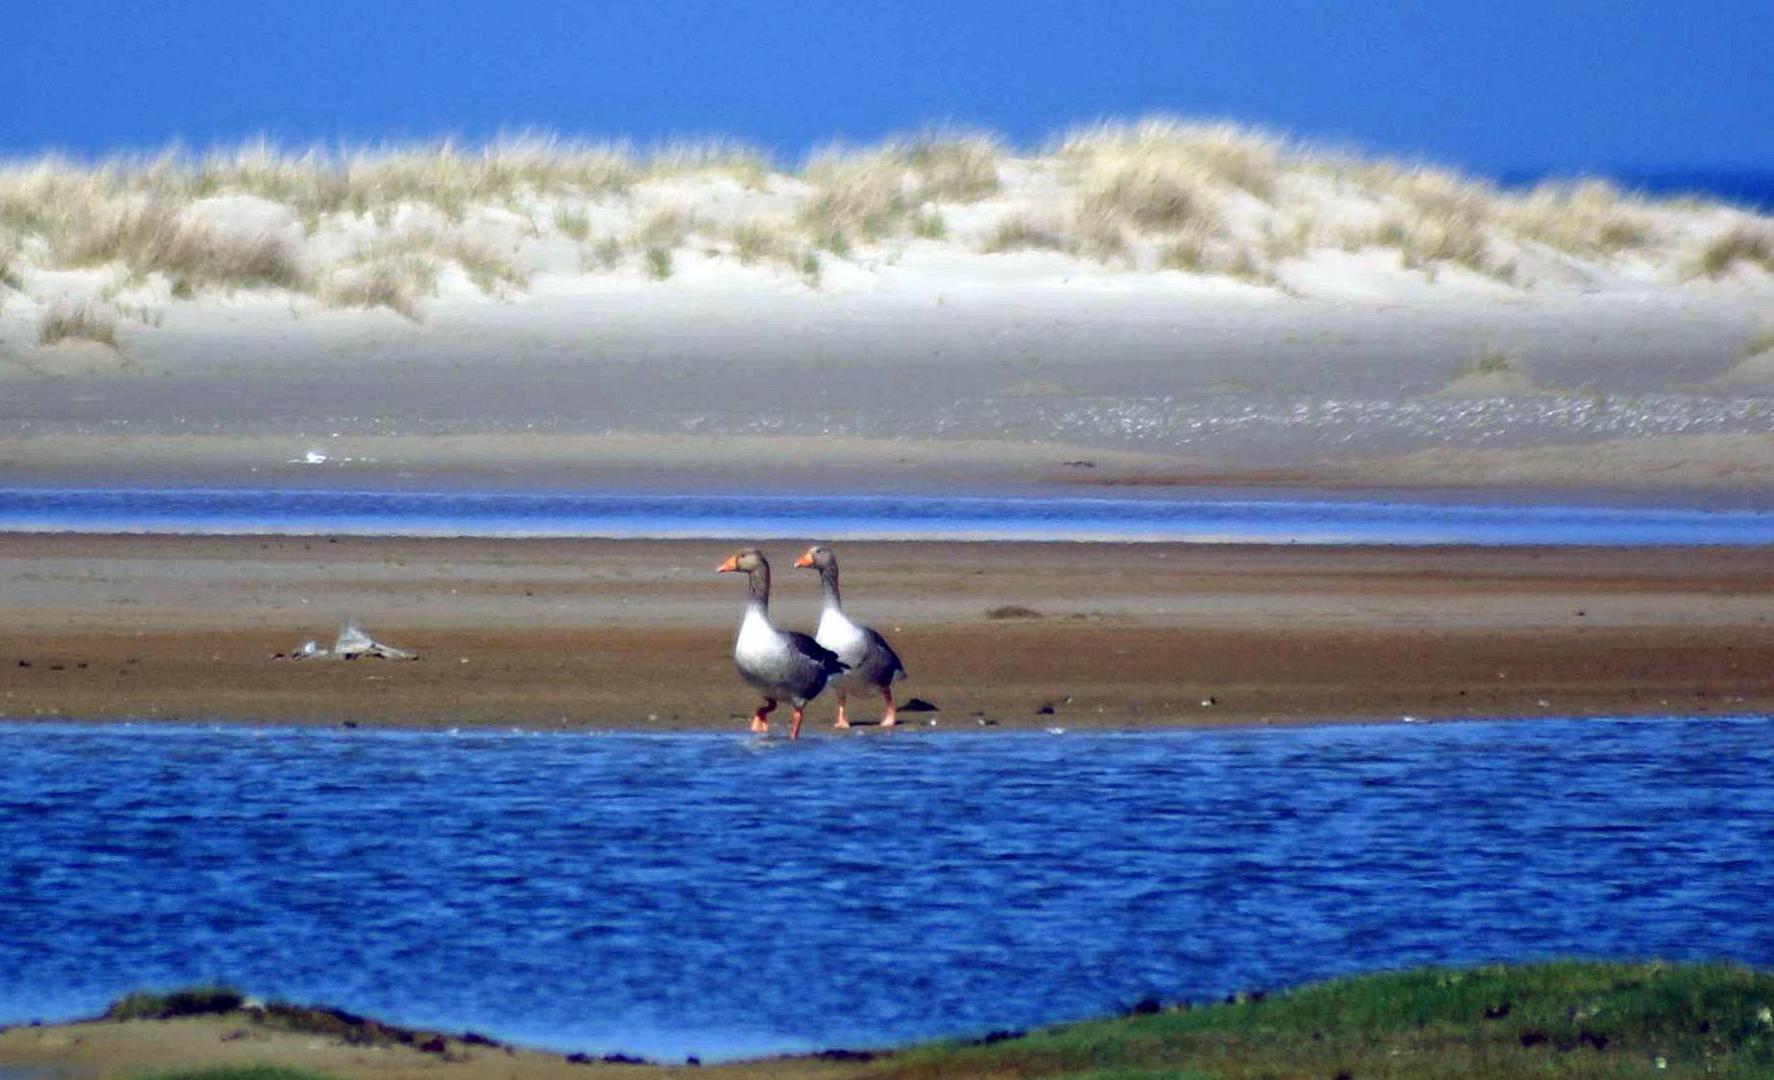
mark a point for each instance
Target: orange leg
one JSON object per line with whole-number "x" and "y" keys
{"x": 843, "y": 721}
{"x": 888, "y": 718}
{"x": 794, "y": 729}
{"x": 758, "y": 723}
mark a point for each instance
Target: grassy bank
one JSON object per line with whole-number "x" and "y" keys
{"x": 1567, "y": 1019}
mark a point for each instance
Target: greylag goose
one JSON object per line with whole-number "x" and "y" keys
{"x": 872, "y": 663}
{"x": 780, "y": 663}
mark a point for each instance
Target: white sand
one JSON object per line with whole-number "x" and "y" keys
{"x": 1332, "y": 320}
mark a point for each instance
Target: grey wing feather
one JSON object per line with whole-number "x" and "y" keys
{"x": 826, "y": 659}
{"x": 891, "y": 661}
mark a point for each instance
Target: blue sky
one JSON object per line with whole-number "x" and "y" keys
{"x": 1495, "y": 86}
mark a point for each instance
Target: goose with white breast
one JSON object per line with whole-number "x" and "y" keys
{"x": 782, "y": 664}
{"x": 871, "y": 664}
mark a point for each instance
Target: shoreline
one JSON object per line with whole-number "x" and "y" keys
{"x": 633, "y": 635}
{"x": 1650, "y": 1009}
{"x": 1738, "y": 468}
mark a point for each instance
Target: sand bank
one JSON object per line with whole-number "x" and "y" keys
{"x": 636, "y": 635}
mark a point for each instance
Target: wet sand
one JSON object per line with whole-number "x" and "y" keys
{"x": 636, "y": 635}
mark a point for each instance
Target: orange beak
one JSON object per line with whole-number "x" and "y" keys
{"x": 806, "y": 558}
{"x": 728, "y": 567}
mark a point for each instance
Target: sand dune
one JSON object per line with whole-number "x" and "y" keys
{"x": 1220, "y": 298}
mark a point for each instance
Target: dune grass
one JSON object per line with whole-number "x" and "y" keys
{"x": 78, "y": 322}
{"x": 378, "y": 226}
{"x": 887, "y": 190}
{"x": 1724, "y": 252}
{"x": 1491, "y": 359}
{"x": 1025, "y": 232}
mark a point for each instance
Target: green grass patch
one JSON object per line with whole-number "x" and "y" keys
{"x": 1557, "y": 1019}
{"x": 192, "y": 1001}
{"x": 1490, "y": 360}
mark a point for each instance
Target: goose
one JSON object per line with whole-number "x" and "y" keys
{"x": 780, "y": 663}
{"x": 872, "y": 663}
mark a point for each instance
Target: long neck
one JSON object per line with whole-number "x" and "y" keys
{"x": 760, "y": 589}
{"x": 828, "y": 584}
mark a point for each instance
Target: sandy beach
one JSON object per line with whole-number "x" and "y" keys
{"x": 1168, "y": 301}
{"x": 636, "y": 635}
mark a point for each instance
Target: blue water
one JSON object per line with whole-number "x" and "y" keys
{"x": 1201, "y": 518}
{"x": 721, "y": 895}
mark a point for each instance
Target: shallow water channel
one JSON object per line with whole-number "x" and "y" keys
{"x": 723, "y": 895}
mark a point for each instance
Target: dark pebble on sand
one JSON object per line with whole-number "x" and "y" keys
{"x": 918, "y": 704}
{"x": 348, "y": 723}
{"x": 1045, "y": 710}
{"x": 24, "y": 663}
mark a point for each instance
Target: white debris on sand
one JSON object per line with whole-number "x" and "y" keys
{"x": 353, "y": 642}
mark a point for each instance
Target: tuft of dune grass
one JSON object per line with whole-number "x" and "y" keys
{"x": 668, "y": 229}
{"x": 1741, "y": 244}
{"x": 758, "y": 240}
{"x": 1181, "y": 153}
{"x": 149, "y": 237}
{"x": 1024, "y": 232}
{"x": 1491, "y": 359}
{"x": 396, "y": 281}
{"x": 1585, "y": 217}
{"x": 572, "y": 222}
{"x": 78, "y": 322}
{"x": 881, "y": 192}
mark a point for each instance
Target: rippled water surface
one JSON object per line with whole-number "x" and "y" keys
{"x": 1213, "y": 517}
{"x": 722, "y": 895}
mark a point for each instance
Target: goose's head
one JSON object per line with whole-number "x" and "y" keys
{"x": 817, "y": 557}
{"x": 745, "y": 561}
